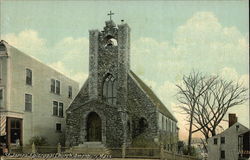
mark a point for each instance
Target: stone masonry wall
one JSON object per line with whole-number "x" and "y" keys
{"x": 112, "y": 132}
{"x": 108, "y": 59}
{"x": 141, "y": 106}
{"x": 93, "y": 63}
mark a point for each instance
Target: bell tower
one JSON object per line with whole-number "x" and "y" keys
{"x": 109, "y": 52}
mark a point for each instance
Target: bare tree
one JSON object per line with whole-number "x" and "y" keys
{"x": 206, "y": 99}
{"x": 195, "y": 85}
{"x": 214, "y": 104}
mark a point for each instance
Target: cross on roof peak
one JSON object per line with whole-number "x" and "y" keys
{"x": 110, "y": 15}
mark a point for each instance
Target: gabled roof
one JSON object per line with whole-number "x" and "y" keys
{"x": 246, "y": 132}
{"x": 241, "y": 129}
{"x": 81, "y": 97}
{"x": 160, "y": 106}
{"x": 3, "y": 41}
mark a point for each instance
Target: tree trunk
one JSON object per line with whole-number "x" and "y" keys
{"x": 190, "y": 131}
{"x": 213, "y": 132}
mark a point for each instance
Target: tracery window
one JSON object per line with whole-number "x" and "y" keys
{"x": 109, "y": 89}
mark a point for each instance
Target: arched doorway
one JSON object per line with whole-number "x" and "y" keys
{"x": 94, "y": 127}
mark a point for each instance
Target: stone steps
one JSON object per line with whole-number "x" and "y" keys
{"x": 91, "y": 145}
{"x": 91, "y": 148}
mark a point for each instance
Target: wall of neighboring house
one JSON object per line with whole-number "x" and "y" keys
{"x": 230, "y": 147}
{"x": 3, "y": 80}
{"x": 168, "y": 132}
{"x": 40, "y": 121}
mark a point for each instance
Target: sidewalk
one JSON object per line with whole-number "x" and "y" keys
{"x": 6, "y": 158}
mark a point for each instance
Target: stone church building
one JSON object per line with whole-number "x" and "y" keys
{"x": 114, "y": 106}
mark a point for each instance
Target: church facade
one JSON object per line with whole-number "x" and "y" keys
{"x": 114, "y": 106}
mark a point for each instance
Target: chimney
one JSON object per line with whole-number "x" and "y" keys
{"x": 232, "y": 119}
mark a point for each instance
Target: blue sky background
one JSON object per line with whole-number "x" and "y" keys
{"x": 168, "y": 38}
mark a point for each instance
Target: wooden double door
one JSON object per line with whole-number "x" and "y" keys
{"x": 94, "y": 128}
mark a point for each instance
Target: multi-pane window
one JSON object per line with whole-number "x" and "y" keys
{"x": 60, "y": 113}
{"x": 109, "y": 89}
{"x": 160, "y": 119}
{"x": 222, "y": 140}
{"x": 222, "y": 154}
{"x": 57, "y": 109}
{"x": 240, "y": 143}
{"x": 55, "y": 86}
{"x": 175, "y": 127}
{"x": 171, "y": 126}
{"x": 162, "y": 122}
{"x": 28, "y": 102}
{"x": 28, "y": 76}
{"x": 1, "y": 98}
{"x": 15, "y": 130}
{"x": 215, "y": 140}
{"x": 0, "y": 71}
{"x": 58, "y": 127}
{"x": 70, "y": 92}
{"x": 166, "y": 124}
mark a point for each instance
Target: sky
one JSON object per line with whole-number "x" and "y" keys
{"x": 169, "y": 39}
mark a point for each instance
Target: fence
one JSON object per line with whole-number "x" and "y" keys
{"x": 153, "y": 153}
{"x": 124, "y": 152}
{"x": 172, "y": 156}
{"x": 38, "y": 149}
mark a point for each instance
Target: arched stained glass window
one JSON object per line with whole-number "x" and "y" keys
{"x": 109, "y": 89}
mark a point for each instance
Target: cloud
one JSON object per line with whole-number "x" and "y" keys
{"x": 59, "y": 66}
{"x": 242, "y": 111}
{"x": 150, "y": 83}
{"x": 201, "y": 43}
{"x": 80, "y": 77}
{"x": 68, "y": 56}
{"x": 167, "y": 93}
{"x": 27, "y": 41}
{"x": 71, "y": 47}
{"x": 198, "y": 29}
{"x": 77, "y": 76}
{"x": 244, "y": 79}
{"x": 208, "y": 45}
{"x": 228, "y": 73}
{"x": 73, "y": 53}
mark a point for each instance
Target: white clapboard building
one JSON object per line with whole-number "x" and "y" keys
{"x": 33, "y": 98}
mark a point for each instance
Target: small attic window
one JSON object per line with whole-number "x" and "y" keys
{"x": 2, "y": 47}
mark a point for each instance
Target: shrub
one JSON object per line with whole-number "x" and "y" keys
{"x": 141, "y": 141}
{"x": 193, "y": 151}
{"x": 38, "y": 141}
